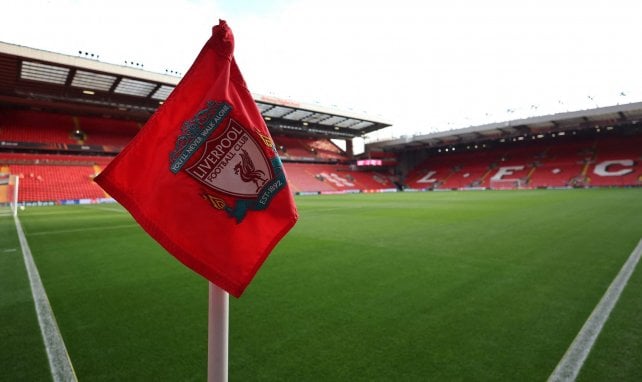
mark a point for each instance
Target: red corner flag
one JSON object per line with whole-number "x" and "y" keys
{"x": 203, "y": 177}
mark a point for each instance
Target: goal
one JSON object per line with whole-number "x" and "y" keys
{"x": 505, "y": 184}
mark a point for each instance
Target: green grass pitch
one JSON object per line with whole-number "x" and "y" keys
{"x": 482, "y": 286}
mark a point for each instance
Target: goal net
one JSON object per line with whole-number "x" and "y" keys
{"x": 9, "y": 186}
{"x": 505, "y": 184}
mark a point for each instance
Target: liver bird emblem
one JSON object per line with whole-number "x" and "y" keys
{"x": 245, "y": 168}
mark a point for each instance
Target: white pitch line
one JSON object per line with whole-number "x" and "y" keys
{"x": 84, "y": 229}
{"x": 116, "y": 209}
{"x": 59, "y": 362}
{"x": 571, "y": 363}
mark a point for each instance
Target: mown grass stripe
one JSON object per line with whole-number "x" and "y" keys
{"x": 59, "y": 362}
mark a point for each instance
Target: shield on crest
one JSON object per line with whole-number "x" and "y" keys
{"x": 233, "y": 163}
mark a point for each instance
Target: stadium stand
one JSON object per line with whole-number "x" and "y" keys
{"x": 317, "y": 165}
{"x": 309, "y": 177}
{"x": 452, "y": 171}
{"x": 313, "y": 164}
{"x": 303, "y": 178}
{"x": 8, "y": 158}
{"x": 325, "y": 149}
{"x": 617, "y": 162}
{"x": 56, "y": 183}
{"x": 55, "y": 178}
{"x": 308, "y": 148}
{"x": 41, "y": 127}
{"x": 100, "y": 131}
{"x": 30, "y": 126}
{"x": 56, "y": 137}
{"x": 290, "y": 147}
{"x": 569, "y": 162}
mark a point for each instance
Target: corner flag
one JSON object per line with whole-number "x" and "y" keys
{"x": 203, "y": 177}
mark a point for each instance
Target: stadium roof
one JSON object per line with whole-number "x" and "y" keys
{"x": 603, "y": 117}
{"x": 42, "y": 80}
{"x": 290, "y": 116}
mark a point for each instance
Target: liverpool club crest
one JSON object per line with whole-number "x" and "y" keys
{"x": 233, "y": 163}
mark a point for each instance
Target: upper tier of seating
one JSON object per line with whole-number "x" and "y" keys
{"x": 567, "y": 162}
{"x": 54, "y": 159}
{"x": 58, "y": 129}
{"x": 28, "y": 126}
{"x": 302, "y": 148}
{"x": 99, "y": 131}
{"x": 40, "y": 127}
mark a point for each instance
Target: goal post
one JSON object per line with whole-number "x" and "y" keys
{"x": 14, "y": 187}
{"x": 506, "y": 184}
{"x": 9, "y": 191}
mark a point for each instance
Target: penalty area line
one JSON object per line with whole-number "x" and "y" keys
{"x": 59, "y": 362}
{"x": 571, "y": 363}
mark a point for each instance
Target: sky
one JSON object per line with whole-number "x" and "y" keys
{"x": 423, "y": 66}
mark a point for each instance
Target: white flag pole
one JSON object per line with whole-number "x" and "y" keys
{"x": 217, "y": 334}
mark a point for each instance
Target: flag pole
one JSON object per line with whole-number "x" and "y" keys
{"x": 217, "y": 334}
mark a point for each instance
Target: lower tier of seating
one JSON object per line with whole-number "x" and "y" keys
{"x": 614, "y": 161}
{"x": 56, "y": 183}
{"x": 307, "y": 177}
{"x": 58, "y": 178}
